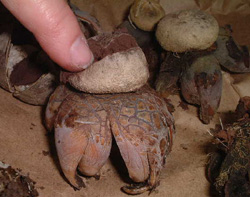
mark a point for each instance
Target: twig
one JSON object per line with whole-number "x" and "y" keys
{"x": 217, "y": 139}
{"x": 221, "y": 124}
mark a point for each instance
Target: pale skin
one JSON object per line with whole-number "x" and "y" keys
{"x": 56, "y": 28}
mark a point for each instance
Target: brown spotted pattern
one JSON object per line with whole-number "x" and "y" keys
{"x": 84, "y": 124}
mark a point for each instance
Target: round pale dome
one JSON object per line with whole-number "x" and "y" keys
{"x": 187, "y": 30}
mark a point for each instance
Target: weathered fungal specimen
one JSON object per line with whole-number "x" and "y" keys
{"x": 119, "y": 66}
{"x": 145, "y": 14}
{"x": 187, "y": 30}
{"x": 84, "y": 124}
{"x": 225, "y": 50}
{"x": 189, "y": 37}
{"x": 201, "y": 84}
{"x": 108, "y": 99}
{"x": 197, "y": 76}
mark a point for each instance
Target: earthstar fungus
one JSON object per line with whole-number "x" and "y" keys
{"x": 111, "y": 98}
{"x": 84, "y": 124}
{"x": 189, "y": 38}
{"x": 119, "y": 66}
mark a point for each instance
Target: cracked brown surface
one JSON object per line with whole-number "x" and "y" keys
{"x": 140, "y": 122}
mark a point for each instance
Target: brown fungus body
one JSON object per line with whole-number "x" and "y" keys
{"x": 84, "y": 124}
{"x": 201, "y": 84}
{"x": 120, "y": 65}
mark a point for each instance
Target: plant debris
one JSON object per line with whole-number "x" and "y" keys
{"x": 183, "y": 105}
{"x": 13, "y": 183}
{"x": 228, "y": 168}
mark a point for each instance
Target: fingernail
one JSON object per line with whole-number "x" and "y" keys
{"x": 81, "y": 56}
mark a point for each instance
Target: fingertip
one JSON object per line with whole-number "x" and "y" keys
{"x": 80, "y": 55}
{"x": 56, "y": 29}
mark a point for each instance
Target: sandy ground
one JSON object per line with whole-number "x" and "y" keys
{"x": 25, "y": 143}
